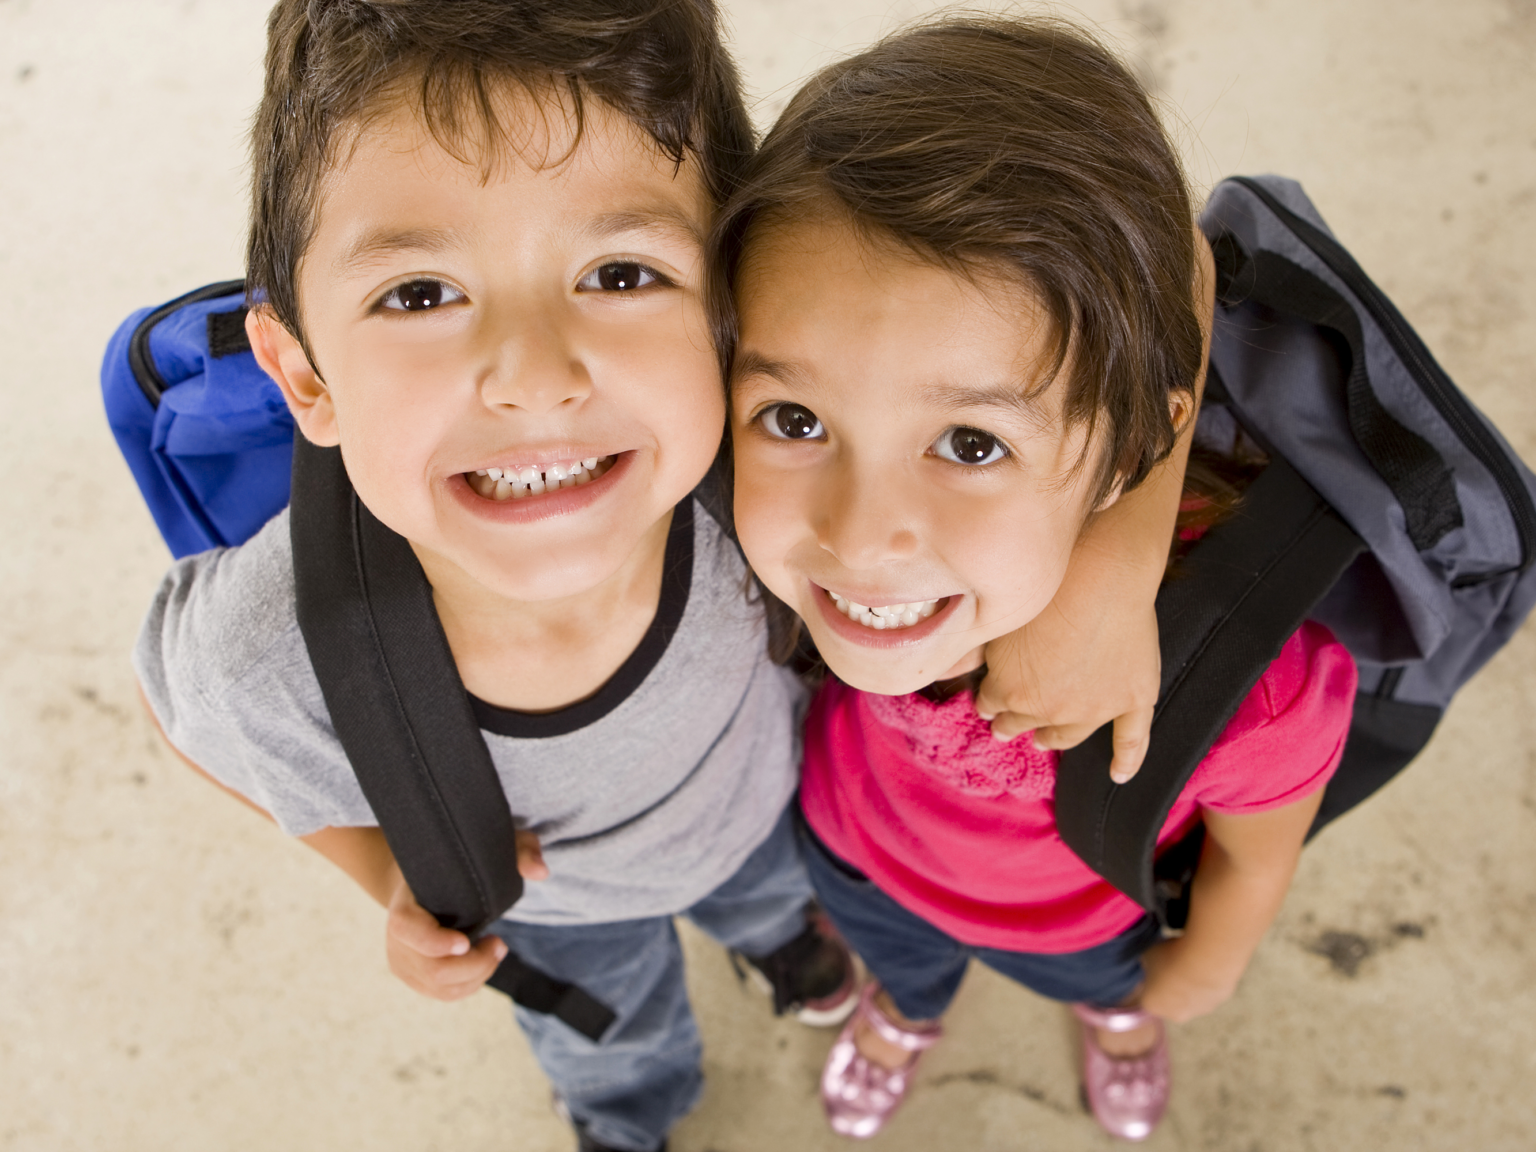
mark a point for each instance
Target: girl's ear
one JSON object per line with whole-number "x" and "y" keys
{"x": 1181, "y": 410}
{"x": 1113, "y": 495}
{"x": 283, "y": 358}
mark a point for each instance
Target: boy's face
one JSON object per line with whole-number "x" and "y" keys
{"x": 544, "y": 321}
{"x": 886, "y": 454}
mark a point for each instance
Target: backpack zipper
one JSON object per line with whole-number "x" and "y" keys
{"x": 141, "y": 360}
{"x": 1453, "y": 407}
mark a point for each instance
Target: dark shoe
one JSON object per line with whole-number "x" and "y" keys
{"x": 585, "y": 1143}
{"x": 814, "y": 975}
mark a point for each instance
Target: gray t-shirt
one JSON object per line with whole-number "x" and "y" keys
{"x": 646, "y": 797}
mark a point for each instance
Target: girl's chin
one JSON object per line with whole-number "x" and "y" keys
{"x": 967, "y": 663}
{"x": 889, "y": 674}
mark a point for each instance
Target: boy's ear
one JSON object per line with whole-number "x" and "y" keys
{"x": 283, "y": 358}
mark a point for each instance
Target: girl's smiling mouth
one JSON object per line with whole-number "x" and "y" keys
{"x": 885, "y": 626}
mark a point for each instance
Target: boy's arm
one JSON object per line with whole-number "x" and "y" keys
{"x": 431, "y": 959}
{"x": 1244, "y": 873}
{"x": 1092, "y": 656}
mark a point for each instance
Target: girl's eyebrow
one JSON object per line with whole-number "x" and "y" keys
{"x": 752, "y": 363}
{"x": 1011, "y": 399}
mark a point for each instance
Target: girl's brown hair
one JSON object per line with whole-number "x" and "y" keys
{"x": 985, "y": 143}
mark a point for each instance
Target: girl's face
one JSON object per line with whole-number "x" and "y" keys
{"x": 893, "y": 449}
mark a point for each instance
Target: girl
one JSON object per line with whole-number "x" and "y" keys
{"x": 962, "y": 263}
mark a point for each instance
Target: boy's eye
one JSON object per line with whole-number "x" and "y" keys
{"x": 968, "y": 446}
{"x": 620, "y": 276}
{"x": 420, "y": 296}
{"x": 790, "y": 422}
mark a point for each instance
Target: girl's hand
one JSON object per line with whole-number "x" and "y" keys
{"x": 1176, "y": 990}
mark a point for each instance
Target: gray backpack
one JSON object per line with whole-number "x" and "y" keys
{"x": 1391, "y": 510}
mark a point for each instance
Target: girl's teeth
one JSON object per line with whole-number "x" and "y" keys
{"x": 887, "y": 617}
{"x": 536, "y": 479}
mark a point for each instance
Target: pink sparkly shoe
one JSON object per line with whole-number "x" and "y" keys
{"x": 1128, "y": 1095}
{"x": 859, "y": 1094}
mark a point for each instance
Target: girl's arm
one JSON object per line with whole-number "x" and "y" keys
{"x": 1245, "y": 870}
{"x": 1092, "y": 656}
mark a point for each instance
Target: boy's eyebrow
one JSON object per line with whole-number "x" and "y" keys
{"x": 380, "y": 242}
{"x": 661, "y": 219}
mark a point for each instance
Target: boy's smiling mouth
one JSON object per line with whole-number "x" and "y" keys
{"x": 514, "y": 483}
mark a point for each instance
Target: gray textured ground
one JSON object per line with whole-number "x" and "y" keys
{"x": 173, "y": 975}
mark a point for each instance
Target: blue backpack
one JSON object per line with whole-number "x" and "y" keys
{"x": 1390, "y": 510}
{"x": 204, "y": 430}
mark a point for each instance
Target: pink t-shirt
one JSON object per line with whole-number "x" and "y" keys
{"x": 960, "y": 828}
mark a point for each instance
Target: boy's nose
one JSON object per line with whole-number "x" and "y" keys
{"x": 861, "y": 519}
{"x": 534, "y": 367}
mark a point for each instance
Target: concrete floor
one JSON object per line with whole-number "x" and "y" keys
{"x": 174, "y": 975}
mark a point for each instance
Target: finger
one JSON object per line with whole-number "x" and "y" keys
{"x": 530, "y": 857}
{"x": 417, "y": 929}
{"x": 1007, "y": 725}
{"x": 1058, "y": 737}
{"x": 451, "y": 977}
{"x": 992, "y": 699}
{"x": 1133, "y": 735}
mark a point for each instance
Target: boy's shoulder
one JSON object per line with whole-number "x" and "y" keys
{"x": 228, "y": 609}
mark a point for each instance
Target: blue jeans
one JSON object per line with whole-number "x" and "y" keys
{"x": 921, "y": 966}
{"x": 628, "y": 1089}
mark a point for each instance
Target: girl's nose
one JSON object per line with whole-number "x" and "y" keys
{"x": 533, "y": 365}
{"x": 863, "y": 520}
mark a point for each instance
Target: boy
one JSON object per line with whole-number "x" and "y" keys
{"x": 483, "y": 280}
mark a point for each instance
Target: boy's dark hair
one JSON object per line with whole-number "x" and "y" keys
{"x": 332, "y": 64}
{"x": 982, "y": 143}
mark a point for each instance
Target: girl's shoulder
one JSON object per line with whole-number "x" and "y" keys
{"x": 1288, "y": 734}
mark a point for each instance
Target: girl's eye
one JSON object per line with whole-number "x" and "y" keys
{"x": 968, "y": 446}
{"x": 620, "y": 276}
{"x": 420, "y": 296}
{"x": 790, "y": 422}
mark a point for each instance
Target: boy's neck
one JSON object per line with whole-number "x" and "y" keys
{"x": 541, "y": 656}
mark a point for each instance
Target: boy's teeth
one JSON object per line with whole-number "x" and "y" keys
{"x": 536, "y": 479}
{"x": 888, "y": 616}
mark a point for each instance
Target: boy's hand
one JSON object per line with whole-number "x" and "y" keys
{"x": 1064, "y": 678}
{"x": 440, "y": 962}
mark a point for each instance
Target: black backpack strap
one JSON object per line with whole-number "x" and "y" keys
{"x": 395, "y": 697}
{"x": 537, "y": 992}
{"x": 404, "y": 718}
{"x": 1240, "y": 594}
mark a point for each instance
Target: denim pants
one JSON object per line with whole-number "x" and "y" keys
{"x": 920, "y": 966}
{"x": 628, "y": 1089}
